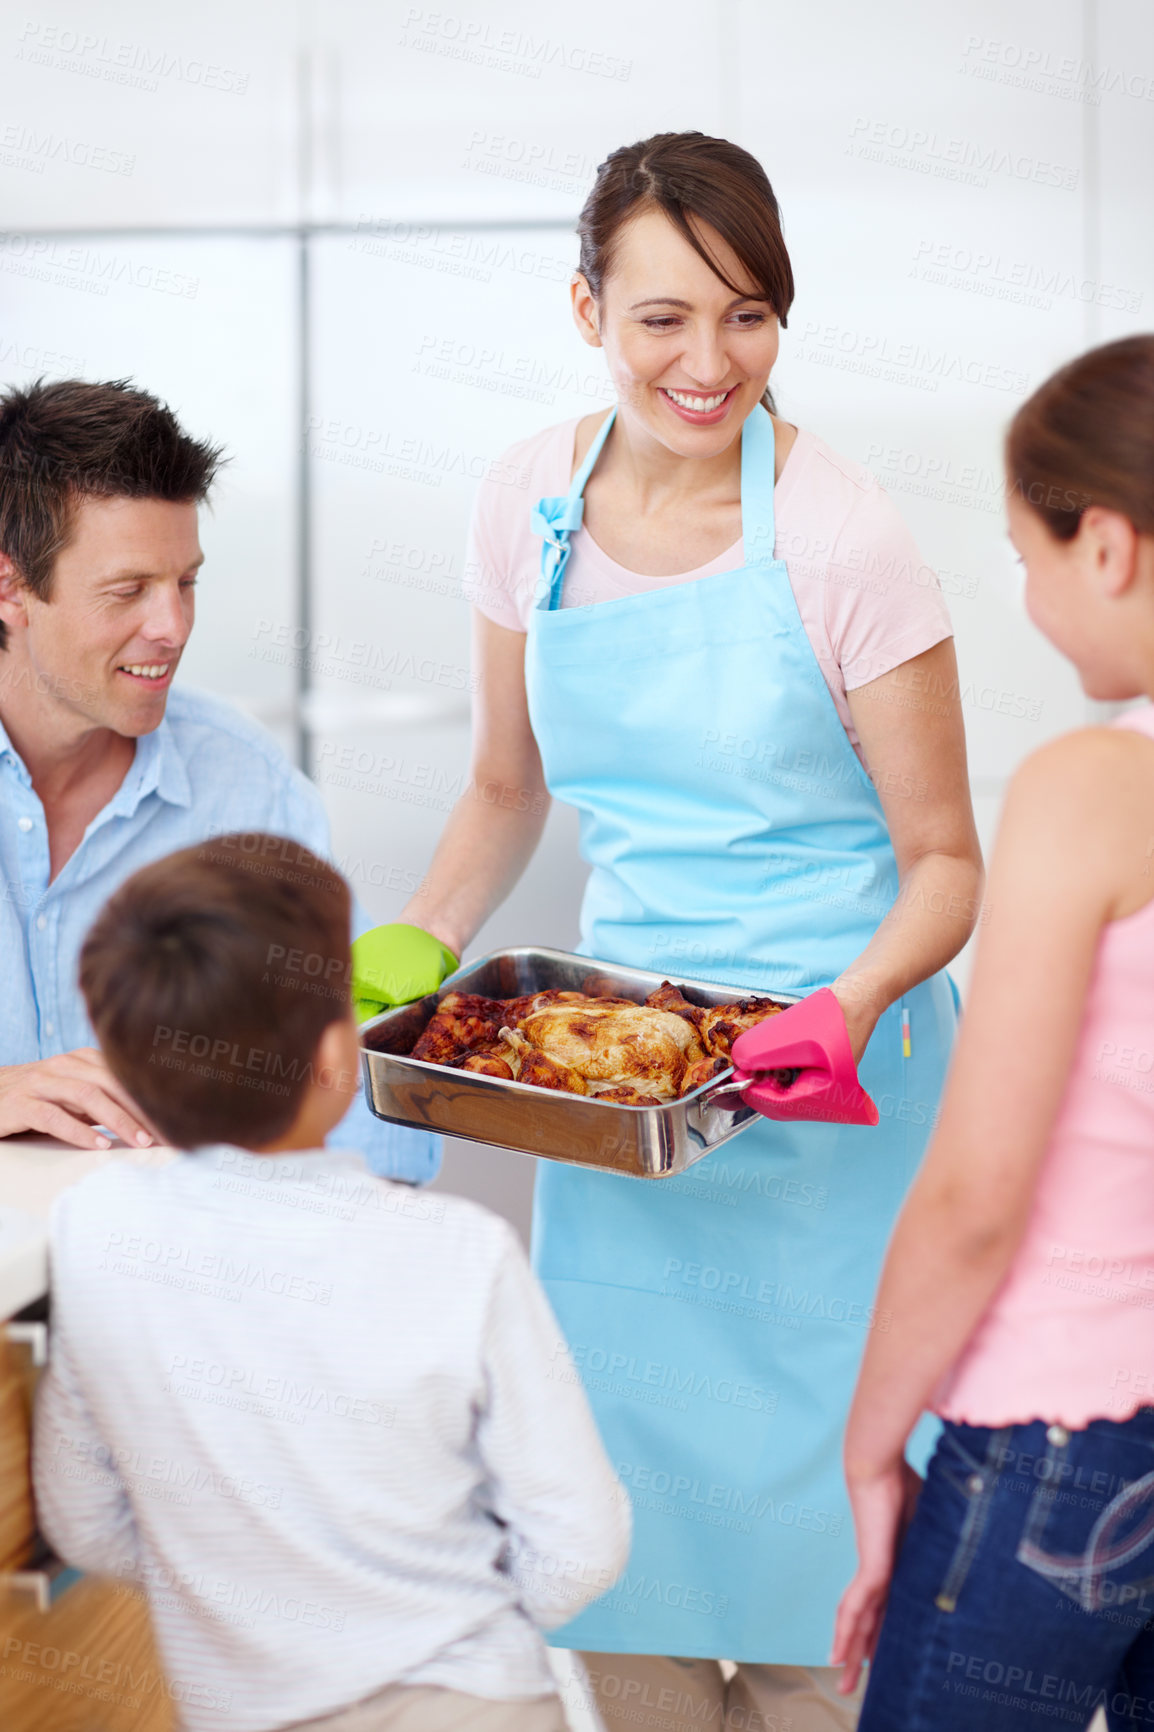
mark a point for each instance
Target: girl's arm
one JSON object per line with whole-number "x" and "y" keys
{"x": 1069, "y": 858}
{"x": 910, "y": 725}
{"x": 496, "y": 824}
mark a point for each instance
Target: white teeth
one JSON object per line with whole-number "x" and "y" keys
{"x": 700, "y": 405}
{"x": 147, "y": 670}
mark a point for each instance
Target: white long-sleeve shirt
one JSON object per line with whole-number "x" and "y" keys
{"x": 328, "y": 1423}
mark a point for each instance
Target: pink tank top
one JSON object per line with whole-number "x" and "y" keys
{"x": 1069, "y": 1336}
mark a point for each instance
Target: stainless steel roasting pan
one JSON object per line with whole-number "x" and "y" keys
{"x": 645, "y": 1142}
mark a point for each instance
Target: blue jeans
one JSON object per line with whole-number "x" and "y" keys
{"x": 1024, "y": 1592}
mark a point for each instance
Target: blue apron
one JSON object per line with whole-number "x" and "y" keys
{"x": 718, "y": 1319}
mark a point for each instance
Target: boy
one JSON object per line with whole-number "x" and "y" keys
{"x": 325, "y": 1421}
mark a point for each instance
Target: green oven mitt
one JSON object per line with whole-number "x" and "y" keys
{"x": 395, "y": 964}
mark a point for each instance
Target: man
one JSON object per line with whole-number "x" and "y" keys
{"x": 103, "y": 767}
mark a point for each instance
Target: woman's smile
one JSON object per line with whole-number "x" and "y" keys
{"x": 699, "y": 408}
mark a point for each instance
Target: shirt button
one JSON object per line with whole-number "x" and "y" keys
{"x": 41, "y": 923}
{"x": 50, "y": 1028}
{"x": 1058, "y": 1436}
{"x": 974, "y": 1484}
{"x": 24, "y": 823}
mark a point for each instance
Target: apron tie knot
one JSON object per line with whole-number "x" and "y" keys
{"x": 557, "y": 517}
{"x": 554, "y": 519}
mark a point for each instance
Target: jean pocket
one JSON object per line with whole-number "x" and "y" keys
{"x": 1096, "y": 1546}
{"x": 975, "y": 1477}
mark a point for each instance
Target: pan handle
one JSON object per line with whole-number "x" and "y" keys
{"x": 726, "y": 1086}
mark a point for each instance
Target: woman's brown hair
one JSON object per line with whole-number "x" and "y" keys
{"x": 1086, "y": 437}
{"x": 694, "y": 179}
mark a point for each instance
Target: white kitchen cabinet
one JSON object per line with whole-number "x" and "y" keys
{"x": 433, "y": 114}
{"x": 135, "y": 115}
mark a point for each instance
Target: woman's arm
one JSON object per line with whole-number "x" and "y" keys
{"x": 914, "y": 743}
{"x": 1069, "y": 858}
{"x": 496, "y": 824}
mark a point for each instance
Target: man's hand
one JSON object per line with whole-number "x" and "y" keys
{"x": 883, "y": 1508}
{"x": 67, "y": 1097}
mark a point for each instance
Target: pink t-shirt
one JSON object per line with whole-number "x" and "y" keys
{"x": 867, "y": 599}
{"x": 1069, "y": 1335}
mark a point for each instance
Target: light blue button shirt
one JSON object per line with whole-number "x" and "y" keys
{"x": 204, "y": 771}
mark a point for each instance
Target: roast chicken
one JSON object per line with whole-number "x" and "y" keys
{"x": 632, "y": 1054}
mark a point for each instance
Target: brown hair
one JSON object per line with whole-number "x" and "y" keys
{"x": 210, "y": 977}
{"x": 1086, "y": 437}
{"x": 71, "y": 440}
{"x": 689, "y": 175}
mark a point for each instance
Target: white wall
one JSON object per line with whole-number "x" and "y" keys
{"x": 966, "y": 198}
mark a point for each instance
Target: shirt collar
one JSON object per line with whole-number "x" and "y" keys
{"x": 8, "y": 750}
{"x": 157, "y": 768}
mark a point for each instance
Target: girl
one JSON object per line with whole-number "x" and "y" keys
{"x": 1020, "y": 1279}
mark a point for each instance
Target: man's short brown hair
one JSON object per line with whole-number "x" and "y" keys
{"x": 71, "y": 440}
{"x": 210, "y": 977}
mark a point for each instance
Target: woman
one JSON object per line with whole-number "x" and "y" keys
{"x": 768, "y": 800}
{"x": 1022, "y": 1271}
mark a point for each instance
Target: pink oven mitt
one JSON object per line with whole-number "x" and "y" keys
{"x": 811, "y": 1039}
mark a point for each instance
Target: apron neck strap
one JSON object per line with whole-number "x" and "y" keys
{"x": 556, "y": 519}
{"x": 577, "y": 486}
{"x": 757, "y": 458}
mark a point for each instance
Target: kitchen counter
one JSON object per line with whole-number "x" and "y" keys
{"x": 33, "y": 1172}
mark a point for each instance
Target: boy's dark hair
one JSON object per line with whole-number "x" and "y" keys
{"x": 71, "y": 440}
{"x": 210, "y": 977}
